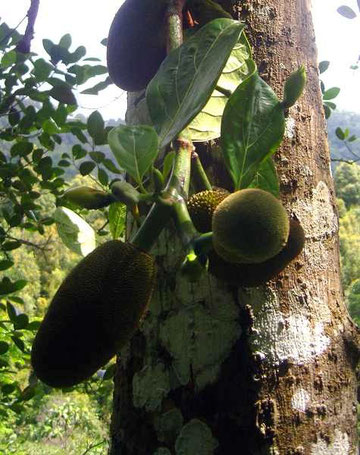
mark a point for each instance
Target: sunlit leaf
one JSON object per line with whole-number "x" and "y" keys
{"x": 117, "y": 217}
{"x": 188, "y": 76}
{"x": 135, "y": 148}
{"x": 75, "y": 232}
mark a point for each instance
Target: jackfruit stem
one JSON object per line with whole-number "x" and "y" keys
{"x": 199, "y": 174}
{"x": 178, "y": 186}
{"x": 184, "y": 225}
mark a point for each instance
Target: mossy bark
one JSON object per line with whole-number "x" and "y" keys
{"x": 271, "y": 370}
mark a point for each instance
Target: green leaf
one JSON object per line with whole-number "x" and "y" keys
{"x": 96, "y": 127}
{"x": 351, "y": 139}
{"x": 188, "y": 76}
{"x": 75, "y": 232}
{"x": 327, "y": 111}
{"x": 86, "y": 167}
{"x": 65, "y": 41}
{"x": 7, "y": 286}
{"x": 346, "y": 11}
{"x": 6, "y": 389}
{"x": 117, "y": 217}
{"x": 330, "y": 104}
{"x": 11, "y": 311}
{"x": 19, "y": 343}
{"x": 103, "y": 177}
{"x": 11, "y": 245}
{"x": 135, "y": 148}
{"x": 21, "y": 321}
{"x": 331, "y": 93}
{"x": 111, "y": 166}
{"x": 207, "y": 124}
{"x": 4, "y": 347}
{"x": 323, "y": 66}
{"x": 252, "y": 129}
{"x": 8, "y": 59}
{"x": 63, "y": 94}
{"x": 340, "y": 133}
{"x": 4, "y": 265}
{"x": 266, "y": 178}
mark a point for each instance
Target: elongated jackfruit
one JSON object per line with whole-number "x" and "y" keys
{"x": 202, "y": 205}
{"x": 249, "y": 275}
{"x": 249, "y": 226}
{"x": 88, "y": 198}
{"x": 93, "y": 314}
{"x": 136, "y": 43}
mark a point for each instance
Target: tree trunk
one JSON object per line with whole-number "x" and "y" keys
{"x": 268, "y": 370}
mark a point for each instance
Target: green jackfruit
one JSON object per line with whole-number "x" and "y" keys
{"x": 136, "y": 43}
{"x": 88, "y": 198}
{"x": 249, "y": 275}
{"x": 249, "y": 226}
{"x": 93, "y": 314}
{"x": 201, "y": 207}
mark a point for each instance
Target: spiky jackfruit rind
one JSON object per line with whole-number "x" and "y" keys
{"x": 249, "y": 226}
{"x": 250, "y": 275}
{"x": 87, "y": 197}
{"x": 93, "y": 314}
{"x": 136, "y": 43}
{"x": 202, "y": 205}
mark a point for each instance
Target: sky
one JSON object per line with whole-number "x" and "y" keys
{"x": 338, "y": 40}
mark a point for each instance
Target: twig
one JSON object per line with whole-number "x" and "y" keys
{"x": 93, "y": 447}
{"x": 24, "y": 44}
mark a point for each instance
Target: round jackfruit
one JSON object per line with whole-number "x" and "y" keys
{"x": 249, "y": 226}
{"x": 88, "y": 198}
{"x": 136, "y": 43}
{"x": 93, "y": 314}
{"x": 201, "y": 207}
{"x": 249, "y": 275}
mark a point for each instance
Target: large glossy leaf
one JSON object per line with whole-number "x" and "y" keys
{"x": 207, "y": 124}
{"x": 188, "y": 76}
{"x": 75, "y": 232}
{"x": 135, "y": 148}
{"x": 252, "y": 129}
{"x": 266, "y": 178}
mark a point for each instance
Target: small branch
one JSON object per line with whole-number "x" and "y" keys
{"x": 199, "y": 173}
{"x": 93, "y": 446}
{"x": 24, "y": 44}
{"x": 41, "y": 247}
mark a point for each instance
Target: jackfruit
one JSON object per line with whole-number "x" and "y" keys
{"x": 249, "y": 275}
{"x": 88, "y": 198}
{"x": 93, "y": 314}
{"x": 201, "y": 207}
{"x": 249, "y": 226}
{"x": 136, "y": 43}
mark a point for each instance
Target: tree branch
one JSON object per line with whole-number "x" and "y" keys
{"x": 24, "y": 44}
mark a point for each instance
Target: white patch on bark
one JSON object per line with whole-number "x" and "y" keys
{"x": 317, "y": 214}
{"x": 300, "y": 400}
{"x": 290, "y": 128}
{"x": 286, "y": 338}
{"x": 339, "y": 446}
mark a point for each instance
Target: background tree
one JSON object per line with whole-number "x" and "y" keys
{"x": 217, "y": 369}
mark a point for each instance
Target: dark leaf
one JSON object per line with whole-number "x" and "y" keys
{"x": 86, "y": 167}
{"x": 323, "y": 66}
{"x": 63, "y": 95}
{"x": 340, "y": 133}
{"x": 346, "y": 11}
{"x": 110, "y": 372}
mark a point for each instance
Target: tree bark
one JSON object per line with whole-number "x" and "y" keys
{"x": 262, "y": 371}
